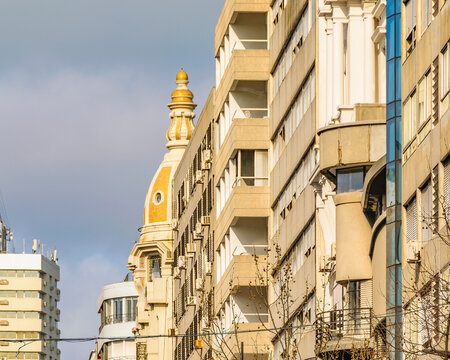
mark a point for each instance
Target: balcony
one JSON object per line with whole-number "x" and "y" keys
{"x": 341, "y": 330}
{"x": 241, "y": 273}
{"x": 358, "y": 137}
{"x": 241, "y": 26}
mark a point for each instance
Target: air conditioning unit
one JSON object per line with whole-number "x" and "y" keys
{"x": 199, "y": 284}
{"x": 199, "y": 227}
{"x": 206, "y": 165}
{"x": 190, "y": 248}
{"x": 191, "y": 301}
{"x": 196, "y": 235}
{"x": 176, "y": 272}
{"x": 207, "y": 155}
{"x": 174, "y": 224}
{"x": 205, "y": 220}
{"x": 412, "y": 254}
{"x": 208, "y": 268}
{"x": 182, "y": 262}
{"x": 324, "y": 265}
{"x": 198, "y": 177}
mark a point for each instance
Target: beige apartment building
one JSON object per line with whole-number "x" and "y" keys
{"x": 307, "y": 212}
{"x": 29, "y": 296}
{"x": 425, "y": 192}
{"x": 151, "y": 259}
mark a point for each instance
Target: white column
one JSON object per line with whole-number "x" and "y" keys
{"x": 369, "y": 54}
{"x": 329, "y": 70}
{"x": 338, "y": 69}
{"x": 355, "y": 52}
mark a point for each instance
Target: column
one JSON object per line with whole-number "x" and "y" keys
{"x": 355, "y": 54}
{"x": 338, "y": 68}
{"x": 369, "y": 54}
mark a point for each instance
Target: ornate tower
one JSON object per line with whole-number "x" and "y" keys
{"x": 151, "y": 258}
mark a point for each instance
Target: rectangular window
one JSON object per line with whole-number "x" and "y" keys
{"x": 426, "y": 14}
{"x": 446, "y": 190}
{"x": 350, "y": 180}
{"x": 445, "y": 74}
{"x": 410, "y": 10}
{"x": 154, "y": 267}
{"x": 411, "y": 220}
{"x": 426, "y": 213}
{"x": 424, "y": 98}
{"x": 410, "y": 116}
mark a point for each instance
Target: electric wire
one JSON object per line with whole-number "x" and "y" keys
{"x": 204, "y": 334}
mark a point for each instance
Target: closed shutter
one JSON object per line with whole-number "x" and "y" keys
{"x": 366, "y": 294}
{"x": 426, "y": 213}
{"x": 411, "y": 221}
{"x": 447, "y": 188}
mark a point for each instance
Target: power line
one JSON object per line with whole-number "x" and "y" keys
{"x": 205, "y": 334}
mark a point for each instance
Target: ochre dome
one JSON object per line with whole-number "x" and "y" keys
{"x": 182, "y": 75}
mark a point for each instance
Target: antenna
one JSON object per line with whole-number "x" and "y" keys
{"x": 23, "y": 246}
{"x": 55, "y": 257}
{"x": 35, "y": 246}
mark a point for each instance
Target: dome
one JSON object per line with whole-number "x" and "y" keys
{"x": 182, "y": 75}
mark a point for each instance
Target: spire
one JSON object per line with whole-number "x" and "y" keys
{"x": 182, "y": 114}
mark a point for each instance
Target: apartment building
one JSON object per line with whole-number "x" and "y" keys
{"x": 29, "y": 296}
{"x": 151, "y": 259}
{"x": 423, "y": 147}
{"x": 117, "y": 308}
{"x": 193, "y": 240}
{"x": 293, "y": 162}
{"x": 351, "y": 181}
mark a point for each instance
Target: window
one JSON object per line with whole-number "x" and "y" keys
{"x": 154, "y": 267}
{"x": 445, "y": 74}
{"x": 426, "y": 14}
{"x": 426, "y": 214}
{"x": 411, "y": 220}
{"x": 294, "y": 116}
{"x": 410, "y": 10}
{"x": 447, "y": 187}
{"x": 350, "y": 180}
{"x": 295, "y": 42}
{"x": 118, "y": 310}
{"x": 354, "y": 295}
{"x": 424, "y": 98}
{"x": 295, "y": 186}
{"x": 410, "y": 114}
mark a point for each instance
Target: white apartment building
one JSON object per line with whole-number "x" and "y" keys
{"x": 29, "y": 296}
{"x": 117, "y": 308}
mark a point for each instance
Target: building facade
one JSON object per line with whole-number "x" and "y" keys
{"x": 310, "y": 206}
{"x": 29, "y": 297}
{"x": 117, "y": 305}
{"x": 151, "y": 259}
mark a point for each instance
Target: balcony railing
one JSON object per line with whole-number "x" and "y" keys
{"x": 339, "y": 324}
{"x": 251, "y": 113}
{"x": 251, "y": 44}
{"x": 251, "y": 181}
{"x": 117, "y": 318}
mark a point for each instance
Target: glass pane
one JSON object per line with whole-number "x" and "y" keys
{"x": 390, "y": 78}
{"x": 350, "y": 180}
{"x": 247, "y": 163}
{"x": 390, "y": 140}
{"x": 390, "y": 38}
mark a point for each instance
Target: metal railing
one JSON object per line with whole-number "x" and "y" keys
{"x": 119, "y": 318}
{"x": 338, "y": 324}
{"x": 251, "y": 181}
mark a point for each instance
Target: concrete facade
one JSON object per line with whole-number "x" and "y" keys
{"x": 29, "y": 296}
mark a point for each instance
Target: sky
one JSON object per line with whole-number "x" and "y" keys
{"x": 84, "y": 88}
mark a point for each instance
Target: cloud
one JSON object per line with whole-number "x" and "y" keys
{"x": 80, "y": 288}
